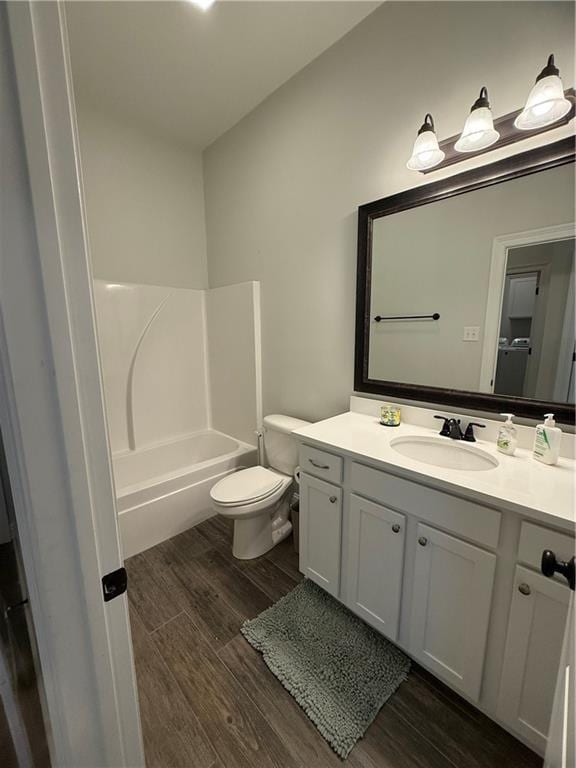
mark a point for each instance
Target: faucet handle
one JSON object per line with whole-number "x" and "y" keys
{"x": 469, "y": 435}
{"x": 445, "y": 431}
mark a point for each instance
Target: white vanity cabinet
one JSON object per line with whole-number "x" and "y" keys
{"x": 451, "y": 599}
{"x": 320, "y": 532}
{"x": 445, "y": 566}
{"x": 375, "y": 550}
{"x": 354, "y": 547}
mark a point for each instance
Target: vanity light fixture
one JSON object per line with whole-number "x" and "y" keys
{"x": 546, "y": 103}
{"x": 426, "y": 152}
{"x": 479, "y": 131}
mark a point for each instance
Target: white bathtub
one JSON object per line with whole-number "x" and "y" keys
{"x": 163, "y": 490}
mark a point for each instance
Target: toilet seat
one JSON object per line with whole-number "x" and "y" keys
{"x": 248, "y": 492}
{"x": 246, "y": 486}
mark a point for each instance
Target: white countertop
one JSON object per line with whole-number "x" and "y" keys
{"x": 518, "y": 483}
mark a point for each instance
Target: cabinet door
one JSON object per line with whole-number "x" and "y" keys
{"x": 532, "y": 657}
{"x": 375, "y": 563}
{"x": 320, "y": 532}
{"x": 451, "y": 599}
{"x": 522, "y": 295}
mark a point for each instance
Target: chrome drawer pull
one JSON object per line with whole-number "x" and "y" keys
{"x": 318, "y": 466}
{"x": 422, "y": 541}
{"x": 524, "y": 589}
{"x": 396, "y": 528}
{"x": 333, "y": 499}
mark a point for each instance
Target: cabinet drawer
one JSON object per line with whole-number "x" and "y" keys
{"x": 321, "y": 464}
{"x": 473, "y": 521}
{"x": 534, "y": 539}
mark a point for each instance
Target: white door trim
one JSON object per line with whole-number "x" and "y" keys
{"x": 567, "y": 344}
{"x": 52, "y": 411}
{"x": 500, "y": 248}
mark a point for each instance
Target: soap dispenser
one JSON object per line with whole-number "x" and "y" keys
{"x": 547, "y": 441}
{"x": 507, "y": 440}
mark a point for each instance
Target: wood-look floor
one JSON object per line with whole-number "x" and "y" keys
{"x": 208, "y": 700}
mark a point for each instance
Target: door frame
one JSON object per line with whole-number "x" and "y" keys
{"x": 500, "y": 248}
{"x": 53, "y": 419}
{"x": 564, "y": 377}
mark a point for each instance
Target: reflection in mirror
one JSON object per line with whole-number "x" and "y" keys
{"x": 497, "y": 266}
{"x": 536, "y": 340}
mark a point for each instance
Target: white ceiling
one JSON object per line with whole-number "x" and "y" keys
{"x": 191, "y": 75}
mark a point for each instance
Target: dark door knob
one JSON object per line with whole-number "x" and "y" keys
{"x": 550, "y": 565}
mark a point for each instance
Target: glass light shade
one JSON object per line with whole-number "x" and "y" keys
{"x": 545, "y": 105}
{"x": 426, "y": 153}
{"x": 478, "y": 132}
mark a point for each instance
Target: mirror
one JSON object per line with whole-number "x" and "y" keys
{"x": 466, "y": 288}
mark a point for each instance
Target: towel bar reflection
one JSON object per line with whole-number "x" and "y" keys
{"x": 380, "y": 318}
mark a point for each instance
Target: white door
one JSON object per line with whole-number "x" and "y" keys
{"x": 320, "y": 532}
{"x": 451, "y": 607}
{"x": 532, "y": 657}
{"x": 51, "y": 404}
{"x": 375, "y": 564}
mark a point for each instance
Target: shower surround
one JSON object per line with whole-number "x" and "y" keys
{"x": 169, "y": 357}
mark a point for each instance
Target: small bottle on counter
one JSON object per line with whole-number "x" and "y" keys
{"x": 547, "y": 441}
{"x": 507, "y": 440}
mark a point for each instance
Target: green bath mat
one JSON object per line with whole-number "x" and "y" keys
{"x": 339, "y": 670}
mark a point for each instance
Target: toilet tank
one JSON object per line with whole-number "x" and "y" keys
{"x": 280, "y": 445}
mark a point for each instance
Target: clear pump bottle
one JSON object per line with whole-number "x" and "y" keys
{"x": 507, "y": 439}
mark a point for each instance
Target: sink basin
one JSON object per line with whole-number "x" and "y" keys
{"x": 444, "y": 452}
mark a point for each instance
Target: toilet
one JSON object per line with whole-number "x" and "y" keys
{"x": 258, "y": 498}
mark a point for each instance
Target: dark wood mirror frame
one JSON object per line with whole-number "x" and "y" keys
{"x": 523, "y": 164}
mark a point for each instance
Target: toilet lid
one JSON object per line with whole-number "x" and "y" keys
{"x": 246, "y": 486}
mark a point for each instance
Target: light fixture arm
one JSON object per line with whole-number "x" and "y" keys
{"x": 482, "y": 100}
{"x": 427, "y": 125}
{"x": 549, "y": 70}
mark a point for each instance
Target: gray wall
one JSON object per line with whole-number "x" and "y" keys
{"x": 144, "y": 204}
{"x": 283, "y": 186}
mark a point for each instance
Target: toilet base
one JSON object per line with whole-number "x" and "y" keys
{"x": 257, "y": 535}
